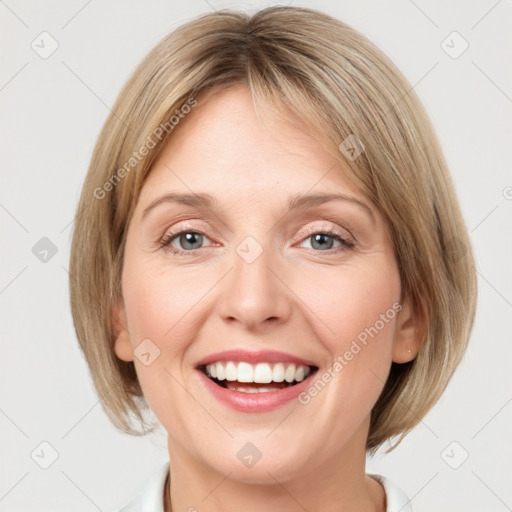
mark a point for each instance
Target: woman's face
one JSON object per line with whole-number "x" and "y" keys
{"x": 252, "y": 290}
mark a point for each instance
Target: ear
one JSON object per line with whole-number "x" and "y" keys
{"x": 408, "y": 333}
{"x": 122, "y": 343}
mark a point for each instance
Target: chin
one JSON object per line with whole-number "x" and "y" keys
{"x": 260, "y": 460}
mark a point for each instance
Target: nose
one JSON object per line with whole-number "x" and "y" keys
{"x": 255, "y": 295}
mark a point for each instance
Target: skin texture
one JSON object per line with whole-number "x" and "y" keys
{"x": 297, "y": 297}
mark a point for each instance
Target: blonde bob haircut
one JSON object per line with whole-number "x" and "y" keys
{"x": 320, "y": 72}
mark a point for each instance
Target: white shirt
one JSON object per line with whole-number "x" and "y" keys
{"x": 151, "y": 497}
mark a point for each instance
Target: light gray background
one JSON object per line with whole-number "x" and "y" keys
{"x": 52, "y": 110}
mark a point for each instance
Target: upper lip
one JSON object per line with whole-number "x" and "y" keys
{"x": 250, "y": 356}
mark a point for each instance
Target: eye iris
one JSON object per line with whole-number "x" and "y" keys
{"x": 319, "y": 240}
{"x": 322, "y": 238}
{"x": 195, "y": 239}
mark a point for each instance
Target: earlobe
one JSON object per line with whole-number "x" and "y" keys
{"x": 408, "y": 334}
{"x": 122, "y": 343}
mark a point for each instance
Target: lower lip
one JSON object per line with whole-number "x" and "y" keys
{"x": 254, "y": 402}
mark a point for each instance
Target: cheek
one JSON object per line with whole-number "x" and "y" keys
{"x": 159, "y": 302}
{"x": 158, "y": 311}
{"x": 355, "y": 318}
{"x": 165, "y": 306}
{"x": 360, "y": 307}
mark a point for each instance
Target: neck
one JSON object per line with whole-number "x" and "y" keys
{"x": 337, "y": 483}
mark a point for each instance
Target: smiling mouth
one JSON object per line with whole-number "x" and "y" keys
{"x": 256, "y": 378}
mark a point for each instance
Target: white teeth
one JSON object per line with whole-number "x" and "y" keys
{"x": 249, "y": 389}
{"x": 289, "y": 374}
{"x": 299, "y": 373}
{"x": 245, "y": 372}
{"x": 221, "y": 371}
{"x": 261, "y": 373}
{"x": 245, "y": 390}
{"x": 231, "y": 373}
{"x": 277, "y": 372}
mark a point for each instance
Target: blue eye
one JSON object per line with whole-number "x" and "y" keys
{"x": 325, "y": 240}
{"x": 189, "y": 241}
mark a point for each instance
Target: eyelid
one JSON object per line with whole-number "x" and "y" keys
{"x": 188, "y": 228}
{"x": 343, "y": 232}
{"x": 335, "y": 231}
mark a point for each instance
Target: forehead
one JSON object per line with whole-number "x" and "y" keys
{"x": 227, "y": 147}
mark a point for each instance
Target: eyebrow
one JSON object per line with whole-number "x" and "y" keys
{"x": 298, "y": 202}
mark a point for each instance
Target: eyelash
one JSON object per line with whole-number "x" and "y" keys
{"x": 165, "y": 243}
